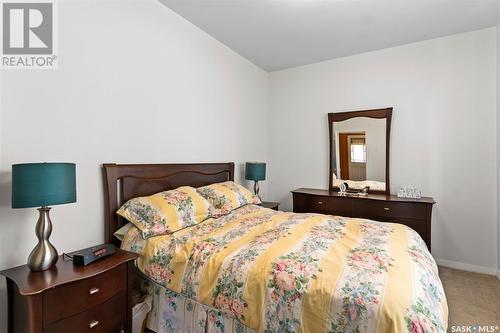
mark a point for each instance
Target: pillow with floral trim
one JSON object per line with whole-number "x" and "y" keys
{"x": 228, "y": 196}
{"x": 168, "y": 211}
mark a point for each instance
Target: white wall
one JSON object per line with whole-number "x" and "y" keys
{"x": 498, "y": 147}
{"x": 442, "y": 139}
{"x": 136, "y": 83}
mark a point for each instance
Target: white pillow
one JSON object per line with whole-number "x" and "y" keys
{"x": 120, "y": 233}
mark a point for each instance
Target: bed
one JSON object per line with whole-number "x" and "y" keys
{"x": 354, "y": 184}
{"x": 259, "y": 270}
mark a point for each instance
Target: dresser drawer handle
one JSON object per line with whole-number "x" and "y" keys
{"x": 387, "y": 208}
{"x": 93, "y": 291}
{"x": 93, "y": 323}
{"x": 320, "y": 202}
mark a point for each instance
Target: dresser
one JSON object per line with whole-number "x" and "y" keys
{"x": 415, "y": 213}
{"x": 68, "y": 298}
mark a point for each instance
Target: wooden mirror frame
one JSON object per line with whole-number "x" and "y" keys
{"x": 376, "y": 114}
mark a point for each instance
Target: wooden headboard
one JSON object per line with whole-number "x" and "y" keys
{"x": 125, "y": 181}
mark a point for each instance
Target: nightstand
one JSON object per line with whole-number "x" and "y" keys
{"x": 270, "y": 204}
{"x": 68, "y": 298}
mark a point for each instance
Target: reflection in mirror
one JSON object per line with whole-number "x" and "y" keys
{"x": 359, "y": 153}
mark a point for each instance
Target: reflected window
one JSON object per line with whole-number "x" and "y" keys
{"x": 358, "y": 152}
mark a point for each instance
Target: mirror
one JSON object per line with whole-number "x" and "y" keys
{"x": 359, "y": 149}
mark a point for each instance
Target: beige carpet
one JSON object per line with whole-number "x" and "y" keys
{"x": 473, "y": 299}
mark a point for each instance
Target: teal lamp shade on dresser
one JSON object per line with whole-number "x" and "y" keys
{"x": 255, "y": 171}
{"x": 42, "y": 185}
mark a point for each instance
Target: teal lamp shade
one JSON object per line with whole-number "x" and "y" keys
{"x": 43, "y": 184}
{"x": 255, "y": 171}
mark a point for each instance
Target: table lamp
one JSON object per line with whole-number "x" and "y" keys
{"x": 41, "y": 185}
{"x": 255, "y": 171}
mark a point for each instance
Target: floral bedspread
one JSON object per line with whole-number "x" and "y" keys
{"x": 288, "y": 272}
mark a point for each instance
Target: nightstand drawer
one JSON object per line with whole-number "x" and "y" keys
{"x": 107, "y": 317}
{"x": 72, "y": 298}
{"x": 389, "y": 211}
{"x": 303, "y": 203}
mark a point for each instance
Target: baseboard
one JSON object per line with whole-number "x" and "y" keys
{"x": 468, "y": 267}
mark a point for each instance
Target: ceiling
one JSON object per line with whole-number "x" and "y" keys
{"x": 279, "y": 34}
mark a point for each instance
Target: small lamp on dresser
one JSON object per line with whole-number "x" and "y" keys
{"x": 255, "y": 171}
{"x": 41, "y": 185}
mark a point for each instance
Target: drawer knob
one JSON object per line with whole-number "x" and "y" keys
{"x": 387, "y": 208}
{"x": 93, "y": 291}
{"x": 93, "y": 323}
{"x": 320, "y": 202}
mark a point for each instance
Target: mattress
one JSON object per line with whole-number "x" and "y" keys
{"x": 287, "y": 272}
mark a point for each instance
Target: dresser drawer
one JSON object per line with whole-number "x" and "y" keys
{"x": 419, "y": 226}
{"x": 304, "y": 203}
{"x": 389, "y": 211}
{"x": 83, "y": 294}
{"x": 107, "y": 317}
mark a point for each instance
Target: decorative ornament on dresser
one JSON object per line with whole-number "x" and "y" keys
{"x": 41, "y": 185}
{"x": 255, "y": 171}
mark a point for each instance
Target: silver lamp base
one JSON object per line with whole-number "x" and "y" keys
{"x": 44, "y": 255}
{"x": 256, "y": 189}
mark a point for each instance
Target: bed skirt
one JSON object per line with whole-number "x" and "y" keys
{"x": 173, "y": 312}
